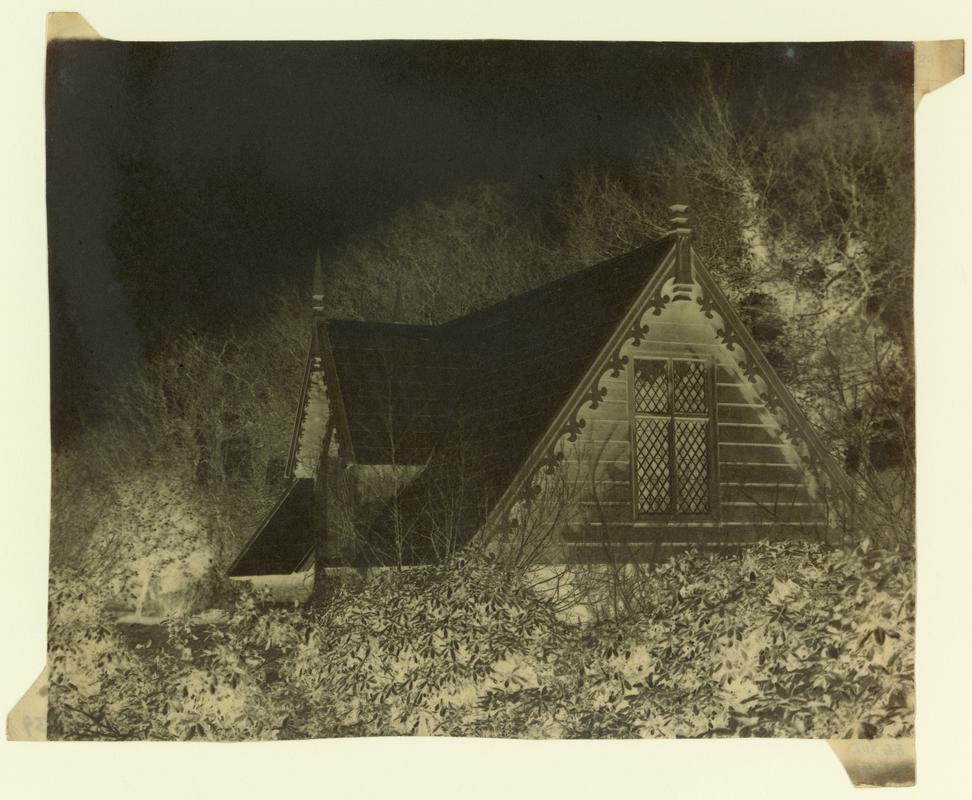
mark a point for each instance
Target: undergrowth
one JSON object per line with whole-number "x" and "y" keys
{"x": 783, "y": 640}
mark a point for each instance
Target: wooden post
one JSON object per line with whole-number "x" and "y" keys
{"x": 681, "y": 232}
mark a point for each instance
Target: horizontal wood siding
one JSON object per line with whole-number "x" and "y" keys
{"x": 606, "y": 490}
{"x": 733, "y": 392}
{"x": 770, "y": 494}
{"x": 614, "y": 450}
{"x": 658, "y": 545}
{"x": 594, "y": 533}
{"x": 618, "y": 512}
{"x": 759, "y": 513}
{"x": 751, "y": 472}
{"x": 610, "y": 409}
{"x": 759, "y": 484}
{"x": 734, "y": 453}
{"x": 741, "y": 413}
{"x": 747, "y": 433}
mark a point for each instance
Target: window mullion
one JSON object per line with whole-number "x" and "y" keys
{"x": 673, "y": 466}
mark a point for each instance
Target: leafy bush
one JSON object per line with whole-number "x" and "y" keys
{"x": 780, "y": 640}
{"x": 198, "y": 682}
{"x": 784, "y": 640}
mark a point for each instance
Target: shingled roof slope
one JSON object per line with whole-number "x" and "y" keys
{"x": 472, "y": 397}
{"x": 398, "y": 400}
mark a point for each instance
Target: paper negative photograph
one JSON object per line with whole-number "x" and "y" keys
{"x": 510, "y": 389}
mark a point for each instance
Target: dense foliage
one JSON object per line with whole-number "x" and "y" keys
{"x": 193, "y": 453}
{"x": 780, "y": 640}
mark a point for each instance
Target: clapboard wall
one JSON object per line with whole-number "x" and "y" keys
{"x": 759, "y": 487}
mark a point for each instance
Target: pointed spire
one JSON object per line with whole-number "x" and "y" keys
{"x": 679, "y": 221}
{"x": 680, "y": 231}
{"x": 678, "y": 193}
{"x": 317, "y": 292}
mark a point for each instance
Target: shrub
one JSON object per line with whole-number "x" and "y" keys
{"x": 782, "y": 640}
{"x": 431, "y": 650}
{"x": 779, "y": 640}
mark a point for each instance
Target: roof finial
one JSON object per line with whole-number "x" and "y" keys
{"x": 681, "y": 232}
{"x": 679, "y": 198}
{"x": 317, "y": 292}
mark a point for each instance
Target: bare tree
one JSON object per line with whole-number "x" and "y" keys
{"x": 203, "y": 417}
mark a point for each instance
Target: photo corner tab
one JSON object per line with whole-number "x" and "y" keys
{"x": 936, "y": 64}
{"x": 69, "y": 25}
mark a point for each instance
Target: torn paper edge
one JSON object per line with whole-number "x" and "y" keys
{"x": 69, "y": 25}
{"x": 877, "y": 762}
{"x": 937, "y": 63}
{"x": 27, "y": 721}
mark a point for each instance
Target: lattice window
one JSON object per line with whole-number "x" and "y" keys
{"x": 688, "y": 387}
{"x": 692, "y": 463}
{"x": 652, "y": 465}
{"x": 651, "y": 387}
{"x": 671, "y": 423}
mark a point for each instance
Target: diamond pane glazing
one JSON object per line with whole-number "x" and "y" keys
{"x": 651, "y": 461}
{"x": 688, "y": 378}
{"x": 692, "y": 459}
{"x": 651, "y": 386}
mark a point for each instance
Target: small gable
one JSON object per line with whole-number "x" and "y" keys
{"x": 285, "y": 538}
{"x": 313, "y": 413}
{"x": 396, "y": 399}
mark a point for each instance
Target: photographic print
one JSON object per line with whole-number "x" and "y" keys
{"x": 516, "y": 389}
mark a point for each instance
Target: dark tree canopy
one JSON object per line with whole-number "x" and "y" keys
{"x": 188, "y": 180}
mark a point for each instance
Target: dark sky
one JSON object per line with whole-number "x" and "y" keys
{"x": 184, "y": 179}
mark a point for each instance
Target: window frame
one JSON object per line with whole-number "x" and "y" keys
{"x": 672, "y": 514}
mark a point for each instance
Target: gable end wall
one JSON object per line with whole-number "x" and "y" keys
{"x": 763, "y": 486}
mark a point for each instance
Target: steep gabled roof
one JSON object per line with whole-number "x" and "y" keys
{"x": 472, "y": 397}
{"x": 283, "y": 538}
{"x": 396, "y": 396}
